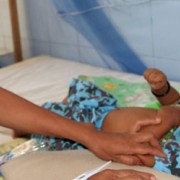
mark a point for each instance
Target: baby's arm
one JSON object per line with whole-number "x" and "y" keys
{"x": 169, "y": 118}
{"x": 124, "y": 119}
{"x": 160, "y": 87}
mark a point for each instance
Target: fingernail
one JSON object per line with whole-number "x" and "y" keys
{"x": 153, "y": 178}
{"x": 158, "y": 120}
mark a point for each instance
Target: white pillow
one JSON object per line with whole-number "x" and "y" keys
{"x": 65, "y": 165}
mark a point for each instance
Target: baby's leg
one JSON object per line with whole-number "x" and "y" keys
{"x": 170, "y": 118}
{"x": 124, "y": 119}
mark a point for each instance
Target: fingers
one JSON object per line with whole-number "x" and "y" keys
{"x": 148, "y": 138}
{"x": 154, "y": 143}
{"x": 127, "y": 174}
{"x": 147, "y": 160}
{"x": 133, "y": 177}
{"x": 140, "y": 124}
{"x": 125, "y": 147}
{"x": 149, "y": 145}
{"x": 147, "y": 149}
{"x": 128, "y": 159}
{"x": 136, "y": 175}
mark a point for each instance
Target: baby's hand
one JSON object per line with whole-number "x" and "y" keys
{"x": 156, "y": 78}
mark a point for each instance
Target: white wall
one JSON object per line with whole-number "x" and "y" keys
{"x": 151, "y": 29}
{"x": 5, "y": 27}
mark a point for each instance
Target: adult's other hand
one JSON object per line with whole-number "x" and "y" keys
{"x": 109, "y": 174}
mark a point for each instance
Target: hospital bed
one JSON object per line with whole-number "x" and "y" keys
{"x": 43, "y": 79}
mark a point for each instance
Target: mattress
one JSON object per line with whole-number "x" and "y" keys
{"x": 44, "y": 78}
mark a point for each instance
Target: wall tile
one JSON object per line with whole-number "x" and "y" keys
{"x": 166, "y": 28}
{"x": 64, "y": 51}
{"x": 6, "y": 59}
{"x": 8, "y": 43}
{"x": 5, "y": 18}
{"x": 97, "y": 58}
{"x": 82, "y": 41}
{"x": 134, "y": 24}
{"x": 1, "y": 42}
{"x": 170, "y": 67}
{"x": 26, "y": 48}
{"x": 91, "y": 56}
{"x": 36, "y": 17}
{"x": 59, "y": 30}
{"x": 149, "y": 61}
{"x": 23, "y": 19}
{"x": 1, "y": 24}
{"x": 40, "y": 48}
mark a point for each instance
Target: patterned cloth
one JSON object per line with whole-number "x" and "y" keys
{"x": 88, "y": 103}
{"x": 85, "y": 103}
{"x": 171, "y": 146}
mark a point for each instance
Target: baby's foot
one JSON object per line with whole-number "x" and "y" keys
{"x": 156, "y": 79}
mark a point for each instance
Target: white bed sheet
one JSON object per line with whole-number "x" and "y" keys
{"x": 46, "y": 78}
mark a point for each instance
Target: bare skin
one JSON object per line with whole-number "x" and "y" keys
{"x": 113, "y": 142}
{"x": 22, "y": 115}
{"x": 123, "y": 119}
{"x": 120, "y": 120}
{"x": 135, "y": 119}
{"x": 109, "y": 174}
{"x": 158, "y": 83}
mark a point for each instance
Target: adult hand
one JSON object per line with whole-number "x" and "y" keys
{"x": 140, "y": 124}
{"x": 109, "y": 174}
{"x": 123, "y": 147}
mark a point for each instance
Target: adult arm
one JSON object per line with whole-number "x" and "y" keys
{"x": 20, "y": 114}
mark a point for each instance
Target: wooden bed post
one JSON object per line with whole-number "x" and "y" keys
{"x": 15, "y": 30}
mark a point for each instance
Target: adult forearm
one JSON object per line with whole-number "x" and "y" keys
{"x": 20, "y": 114}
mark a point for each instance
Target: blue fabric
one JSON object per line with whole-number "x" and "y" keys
{"x": 170, "y": 164}
{"x": 93, "y": 23}
{"x": 85, "y": 103}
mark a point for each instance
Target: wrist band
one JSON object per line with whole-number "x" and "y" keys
{"x": 162, "y": 95}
